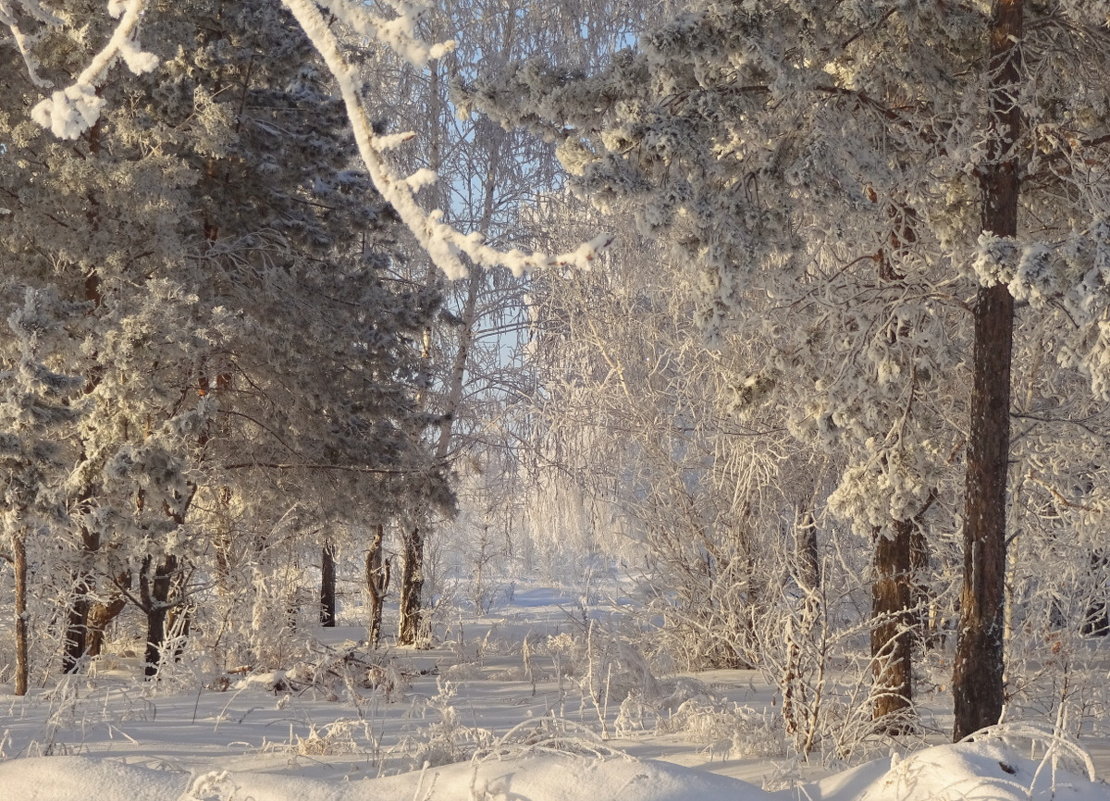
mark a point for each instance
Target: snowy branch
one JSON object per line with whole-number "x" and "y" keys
{"x": 71, "y": 111}
{"x": 443, "y": 243}
{"x": 347, "y": 468}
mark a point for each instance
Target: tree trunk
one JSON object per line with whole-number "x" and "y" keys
{"x": 377, "y": 583}
{"x": 22, "y": 650}
{"x": 76, "y": 643}
{"x": 892, "y": 630}
{"x": 797, "y": 712}
{"x": 327, "y": 586}
{"x": 412, "y": 585}
{"x": 978, "y": 672}
{"x": 100, "y": 615}
{"x": 155, "y": 594}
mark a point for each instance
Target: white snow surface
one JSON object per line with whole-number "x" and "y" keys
{"x": 488, "y": 723}
{"x": 987, "y": 771}
{"x": 546, "y": 777}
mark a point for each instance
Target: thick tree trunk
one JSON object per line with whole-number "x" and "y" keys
{"x": 22, "y": 649}
{"x": 327, "y": 586}
{"x": 978, "y": 672}
{"x": 892, "y": 630}
{"x": 898, "y": 602}
{"x": 377, "y": 583}
{"x": 412, "y": 585}
{"x": 100, "y": 615}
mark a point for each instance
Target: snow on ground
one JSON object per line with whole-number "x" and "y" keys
{"x": 481, "y": 718}
{"x": 989, "y": 771}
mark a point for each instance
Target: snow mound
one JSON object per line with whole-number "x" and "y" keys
{"x": 65, "y": 778}
{"x": 969, "y": 771}
{"x": 977, "y": 771}
{"x": 548, "y": 777}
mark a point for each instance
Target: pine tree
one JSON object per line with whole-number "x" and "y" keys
{"x": 856, "y": 177}
{"x": 246, "y": 348}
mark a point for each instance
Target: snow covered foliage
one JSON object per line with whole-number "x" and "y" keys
{"x": 35, "y": 409}
{"x": 643, "y": 429}
{"x": 816, "y": 170}
{"x": 73, "y": 110}
{"x": 236, "y": 326}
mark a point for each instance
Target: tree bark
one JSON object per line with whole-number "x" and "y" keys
{"x": 892, "y": 630}
{"x": 155, "y": 594}
{"x": 412, "y": 585}
{"x": 22, "y": 649}
{"x": 76, "y": 643}
{"x": 977, "y": 681}
{"x": 806, "y": 570}
{"x": 100, "y": 615}
{"x": 327, "y": 586}
{"x": 377, "y": 583}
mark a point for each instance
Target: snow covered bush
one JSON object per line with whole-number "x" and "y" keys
{"x": 729, "y": 730}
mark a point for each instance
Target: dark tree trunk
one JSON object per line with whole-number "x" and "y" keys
{"x": 76, "y": 643}
{"x": 1096, "y": 618}
{"x": 100, "y": 615}
{"x": 22, "y": 650}
{"x": 892, "y": 629}
{"x": 977, "y": 676}
{"x": 327, "y": 586}
{"x": 155, "y": 593}
{"x": 806, "y": 571}
{"x": 377, "y": 583}
{"x": 412, "y": 585}
{"x": 898, "y": 602}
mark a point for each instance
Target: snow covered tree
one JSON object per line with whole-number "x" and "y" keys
{"x": 246, "y": 347}
{"x": 882, "y": 156}
{"x": 487, "y": 176}
{"x": 34, "y": 462}
{"x": 638, "y": 412}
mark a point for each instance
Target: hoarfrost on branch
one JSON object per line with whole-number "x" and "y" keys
{"x": 71, "y": 111}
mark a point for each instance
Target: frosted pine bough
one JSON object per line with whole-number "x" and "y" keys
{"x": 70, "y": 111}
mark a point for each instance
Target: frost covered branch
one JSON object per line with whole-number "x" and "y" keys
{"x": 442, "y": 242}
{"x": 346, "y": 468}
{"x": 24, "y": 41}
{"x": 71, "y": 111}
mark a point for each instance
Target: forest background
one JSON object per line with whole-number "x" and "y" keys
{"x": 241, "y": 359}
